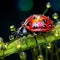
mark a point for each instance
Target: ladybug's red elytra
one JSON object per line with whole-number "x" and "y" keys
{"x": 38, "y": 23}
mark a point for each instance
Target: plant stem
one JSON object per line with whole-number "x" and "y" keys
{"x": 45, "y": 11}
{"x": 57, "y": 55}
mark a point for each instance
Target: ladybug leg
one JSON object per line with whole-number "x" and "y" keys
{"x": 19, "y": 29}
{"x": 44, "y": 36}
{"x": 26, "y": 40}
{"x": 19, "y": 32}
{"x": 35, "y": 38}
{"x": 38, "y": 46}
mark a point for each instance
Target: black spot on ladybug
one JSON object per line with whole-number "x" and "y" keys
{"x": 28, "y": 24}
{"x": 50, "y": 25}
{"x": 34, "y": 17}
{"x": 45, "y": 21}
{"x": 35, "y": 27}
{"x": 44, "y": 26}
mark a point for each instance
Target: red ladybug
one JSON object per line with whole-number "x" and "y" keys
{"x": 38, "y": 23}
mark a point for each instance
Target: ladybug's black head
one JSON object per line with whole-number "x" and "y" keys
{"x": 22, "y": 31}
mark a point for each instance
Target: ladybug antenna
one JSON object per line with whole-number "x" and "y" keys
{"x": 48, "y": 5}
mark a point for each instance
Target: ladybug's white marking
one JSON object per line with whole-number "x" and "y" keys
{"x": 38, "y": 24}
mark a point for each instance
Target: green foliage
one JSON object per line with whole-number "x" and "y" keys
{"x": 20, "y": 45}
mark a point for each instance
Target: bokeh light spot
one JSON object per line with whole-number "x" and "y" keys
{"x": 25, "y": 5}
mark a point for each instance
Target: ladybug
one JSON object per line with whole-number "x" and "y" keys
{"x": 38, "y": 23}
